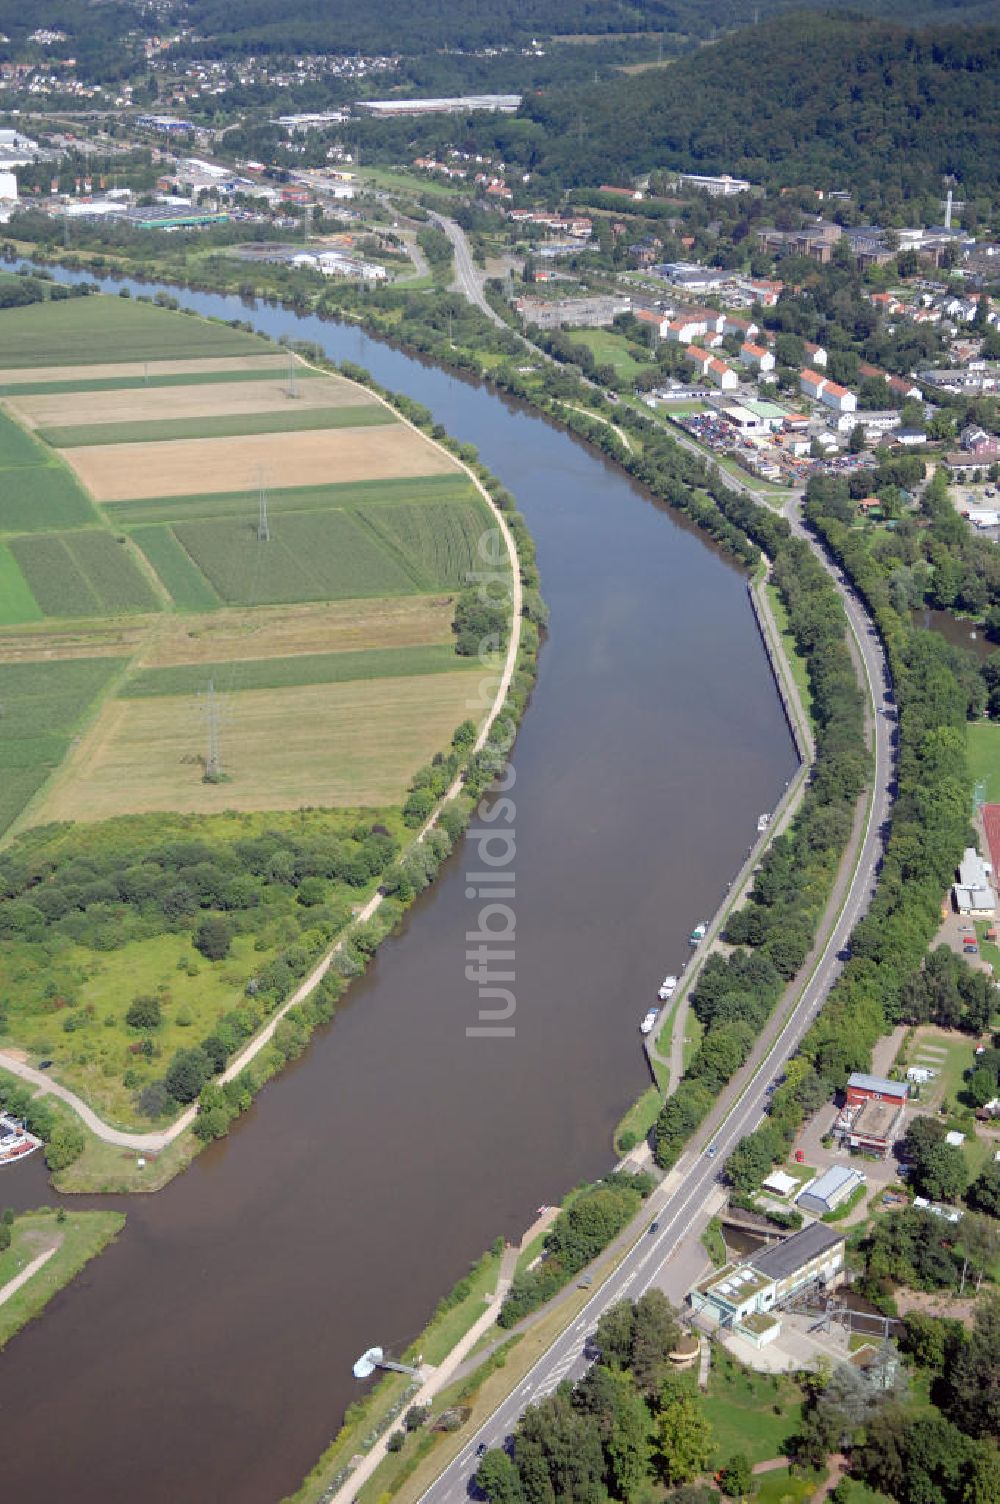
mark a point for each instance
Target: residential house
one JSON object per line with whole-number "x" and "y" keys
{"x": 721, "y": 375}
{"x": 811, "y": 384}
{"x": 650, "y": 318}
{"x": 756, "y": 357}
{"x": 975, "y": 440}
{"x": 838, "y": 397}
{"x": 815, "y": 354}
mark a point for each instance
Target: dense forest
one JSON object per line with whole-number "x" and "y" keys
{"x": 808, "y": 99}
{"x": 424, "y": 25}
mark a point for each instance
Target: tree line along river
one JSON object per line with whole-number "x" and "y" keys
{"x": 207, "y": 1355}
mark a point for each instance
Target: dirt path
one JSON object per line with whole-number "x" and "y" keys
{"x": 12, "y": 1286}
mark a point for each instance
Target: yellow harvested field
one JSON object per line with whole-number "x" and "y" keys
{"x": 283, "y": 631}
{"x": 115, "y": 371}
{"x": 222, "y": 398}
{"x": 312, "y": 457}
{"x": 333, "y": 745}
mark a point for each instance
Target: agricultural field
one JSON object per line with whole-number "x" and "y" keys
{"x": 330, "y": 745}
{"x": 124, "y": 472}
{"x": 282, "y": 631}
{"x": 85, "y": 331}
{"x": 234, "y": 675}
{"x": 438, "y": 543}
{"x": 453, "y": 486}
{"x": 83, "y": 574}
{"x": 41, "y": 705}
{"x": 133, "y": 574}
{"x": 217, "y": 426}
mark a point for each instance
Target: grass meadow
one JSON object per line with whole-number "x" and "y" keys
{"x": 77, "y": 1238}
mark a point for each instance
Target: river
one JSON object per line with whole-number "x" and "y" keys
{"x": 207, "y": 1355}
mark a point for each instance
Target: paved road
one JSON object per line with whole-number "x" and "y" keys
{"x": 467, "y": 278}
{"x": 682, "y": 1212}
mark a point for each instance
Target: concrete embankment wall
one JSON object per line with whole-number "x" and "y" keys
{"x": 794, "y": 711}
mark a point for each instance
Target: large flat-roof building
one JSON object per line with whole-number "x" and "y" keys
{"x": 742, "y": 1296}
{"x": 456, "y": 104}
{"x": 974, "y": 893}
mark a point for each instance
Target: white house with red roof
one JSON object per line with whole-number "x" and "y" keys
{"x": 815, "y": 354}
{"x": 756, "y": 357}
{"x": 811, "y": 384}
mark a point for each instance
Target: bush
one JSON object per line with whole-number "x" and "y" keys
{"x": 396, "y": 1440}
{"x": 144, "y": 1013}
{"x": 213, "y": 938}
{"x": 65, "y": 1145}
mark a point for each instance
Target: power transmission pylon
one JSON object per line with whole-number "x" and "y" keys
{"x": 213, "y": 752}
{"x": 263, "y": 526}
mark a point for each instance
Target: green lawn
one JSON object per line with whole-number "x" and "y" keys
{"x": 740, "y": 1406}
{"x": 983, "y": 744}
{"x": 784, "y": 1487}
{"x": 950, "y": 1067}
{"x": 613, "y": 349}
{"x": 96, "y": 329}
{"x": 82, "y": 1236}
{"x": 303, "y": 668}
{"x": 217, "y": 426}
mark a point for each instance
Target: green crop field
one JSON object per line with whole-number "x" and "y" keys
{"x": 152, "y": 378}
{"x": 303, "y": 668}
{"x": 16, "y": 446}
{"x": 438, "y": 544}
{"x": 40, "y": 705}
{"x": 216, "y": 426}
{"x": 17, "y": 604}
{"x": 39, "y": 497}
{"x": 83, "y": 574}
{"x": 187, "y": 585}
{"x": 427, "y": 489}
{"x": 96, "y": 329}
{"x": 310, "y": 556}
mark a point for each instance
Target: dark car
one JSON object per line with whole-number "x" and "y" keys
{"x": 654, "y": 1226}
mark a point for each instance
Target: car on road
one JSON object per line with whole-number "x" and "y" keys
{"x": 481, "y": 1449}
{"x": 713, "y": 1150}
{"x": 585, "y": 1281}
{"x": 45, "y": 1065}
{"x": 654, "y": 1226}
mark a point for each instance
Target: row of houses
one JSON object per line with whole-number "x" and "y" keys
{"x": 819, "y": 388}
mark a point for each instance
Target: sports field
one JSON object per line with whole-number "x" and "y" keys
{"x": 143, "y": 444}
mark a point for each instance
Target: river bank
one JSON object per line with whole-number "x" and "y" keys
{"x": 47, "y": 1251}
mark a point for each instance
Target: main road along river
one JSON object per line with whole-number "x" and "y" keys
{"x": 206, "y": 1357}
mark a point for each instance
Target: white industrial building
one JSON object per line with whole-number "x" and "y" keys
{"x": 744, "y": 1296}
{"x": 830, "y": 1190}
{"x": 974, "y": 892}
